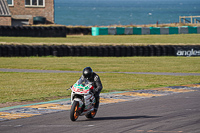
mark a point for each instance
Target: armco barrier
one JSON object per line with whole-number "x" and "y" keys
{"x": 137, "y": 30}
{"x": 164, "y": 30}
{"x": 144, "y": 30}
{"x": 120, "y": 30}
{"x": 128, "y": 31}
{"x": 154, "y": 30}
{"x": 198, "y": 30}
{"x": 99, "y": 31}
{"x": 173, "y": 30}
{"x": 183, "y": 30}
{"x": 101, "y": 51}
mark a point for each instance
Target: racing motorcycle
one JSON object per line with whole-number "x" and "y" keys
{"x": 82, "y": 100}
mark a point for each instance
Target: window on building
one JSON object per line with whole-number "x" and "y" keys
{"x": 41, "y": 2}
{"x": 34, "y": 2}
{"x": 10, "y": 2}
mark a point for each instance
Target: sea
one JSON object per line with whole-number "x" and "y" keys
{"x": 123, "y": 12}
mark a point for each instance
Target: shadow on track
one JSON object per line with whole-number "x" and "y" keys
{"x": 122, "y": 118}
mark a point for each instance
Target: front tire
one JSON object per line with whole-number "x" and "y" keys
{"x": 74, "y": 113}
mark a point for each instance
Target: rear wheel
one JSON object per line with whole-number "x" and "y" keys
{"x": 91, "y": 114}
{"x": 74, "y": 114}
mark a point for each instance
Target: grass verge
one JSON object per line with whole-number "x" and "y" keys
{"x": 19, "y": 87}
{"x": 106, "y": 64}
{"x": 175, "y": 39}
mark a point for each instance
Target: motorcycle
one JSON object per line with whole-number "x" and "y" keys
{"x": 82, "y": 100}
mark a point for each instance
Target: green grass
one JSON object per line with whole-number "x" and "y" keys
{"x": 106, "y": 64}
{"x": 109, "y": 39}
{"x": 16, "y": 87}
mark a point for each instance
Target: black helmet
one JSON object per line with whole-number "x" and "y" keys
{"x": 87, "y": 72}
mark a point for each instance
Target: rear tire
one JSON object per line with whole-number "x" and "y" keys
{"x": 91, "y": 114}
{"x": 74, "y": 113}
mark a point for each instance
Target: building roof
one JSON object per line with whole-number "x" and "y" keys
{"x": 4, "y": 10}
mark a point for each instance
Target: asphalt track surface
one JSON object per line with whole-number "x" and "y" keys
{"x": 58, "y": 71}
{"x": 175, "y": 113}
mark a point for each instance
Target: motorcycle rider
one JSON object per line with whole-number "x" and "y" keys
{"x": 96, "y": 82}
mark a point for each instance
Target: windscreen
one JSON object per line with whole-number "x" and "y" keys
{"x": 84, "y": 82}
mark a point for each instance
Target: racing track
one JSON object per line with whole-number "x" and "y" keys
{"x": 175, "y": 113}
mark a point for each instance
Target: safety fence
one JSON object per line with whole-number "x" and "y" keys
{"x": 107, "y": 51}
{"x": 144, "y": 30}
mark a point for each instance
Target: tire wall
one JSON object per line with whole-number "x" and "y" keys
{"x": 101, "y": 51}
{"x": 78, "y": 31}
{"x": 35, "y": 31}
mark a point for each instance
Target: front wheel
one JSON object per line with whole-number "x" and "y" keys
{"x": 74, "y": 114}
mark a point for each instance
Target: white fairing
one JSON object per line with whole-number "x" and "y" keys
{"x": 76, "y": 99}
{"x": 89, "y": 100}
{"x": 83, "y": 96}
